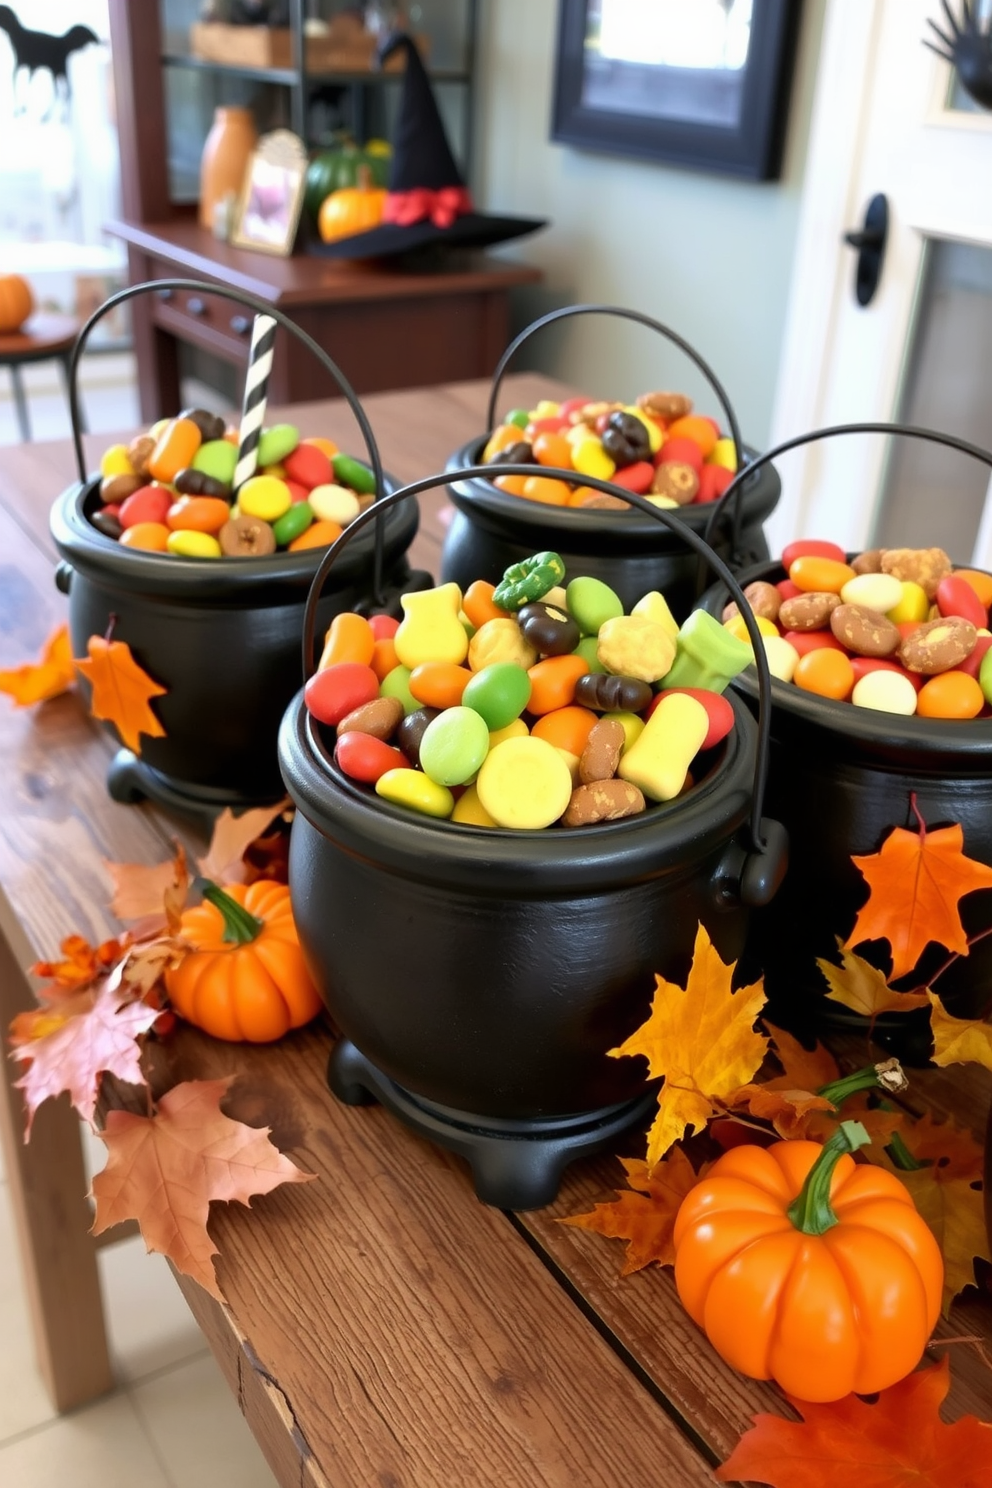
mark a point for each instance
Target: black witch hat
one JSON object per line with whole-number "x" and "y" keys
{"x": 427, "y": 202}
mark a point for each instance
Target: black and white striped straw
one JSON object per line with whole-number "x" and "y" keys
{"x": 263, "y": 340}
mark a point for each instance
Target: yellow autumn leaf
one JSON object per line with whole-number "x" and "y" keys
{"x": 862, "y": 987}
{"x": 701, "y": 1039}
{"x": 958, "y": 1040}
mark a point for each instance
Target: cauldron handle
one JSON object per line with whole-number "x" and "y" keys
{"x": 910, "y": 431}
{"x": 260, "y": 307}
{"x": 761, "y": 869}
{"x": 654, "y": 325}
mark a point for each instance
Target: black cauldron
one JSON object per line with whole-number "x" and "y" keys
{"x": 840, "y": 779}
{"x": 480, "y": 976}
{"x": 492, "y": 529}
{"x": 221, "y": 635}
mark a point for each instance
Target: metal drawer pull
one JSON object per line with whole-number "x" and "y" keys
{"x": 196, "y": 306}
{"x": 240, "y": 324}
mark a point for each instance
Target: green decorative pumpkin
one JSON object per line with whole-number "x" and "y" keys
{"x": 338, "y": 168}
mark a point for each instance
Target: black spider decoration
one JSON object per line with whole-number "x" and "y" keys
{"x": 968, "y": 48}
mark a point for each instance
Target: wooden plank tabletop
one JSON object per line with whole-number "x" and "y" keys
{"x": 383, "y": 1327}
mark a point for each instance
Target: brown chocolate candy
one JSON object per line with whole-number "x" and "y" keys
{"x": 380, "y": 718}
{"x": 602, "y": 501}
{"x": 192, "y": 482}
{"x": 865, "y": 631}
{"x": 139, "y": 452}
{"x": 763, "y": 598}
{"x": 677, "y": 480}
{"x": 807, "y": 611}
{"x": 549, "y": 629}
{"x": 116, "y": 488}
{"x": 107, "y": 523}
{"x": 514, "y": 454}
{"x": 668, "y": 406}
{"x": 210, "y": 425}
{"x": 601, "y": 755}
{"x": 938, "y": 646}
{"x": 923, "y": 566}
{"x": 611, "y": 694}
{"x": 869, "y": 562}
{"x": 602, "y": 800}
{"x": 412, "y": 729}
{"x": 246, "y": 537}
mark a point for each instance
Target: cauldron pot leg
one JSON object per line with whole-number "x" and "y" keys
{"x": 124, "y": 778}
{"x": 345, "y": 1069}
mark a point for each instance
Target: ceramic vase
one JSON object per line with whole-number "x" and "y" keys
{"x": 226, "y": 154}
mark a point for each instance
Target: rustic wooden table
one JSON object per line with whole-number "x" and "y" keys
{"x": 382, "y": 1327}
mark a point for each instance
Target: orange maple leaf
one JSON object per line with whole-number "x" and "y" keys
{"x": 916, "y": 881}
{"x": 232, "y": 837}
{"x": 951, "y": 1149}
{"x": 80, "y": 966}
{"x": 803, "y": 1069}
{"x": 899, "y": 1442}
{"x": 645, "y": 1218}
{"x": 164, "y": 1170}
{"x": 789, "y": 1110}
{"x": 858, "y": 985}
{"x": 121, "y": 690}
{"x": 702, "y": 1040}
{"x": 39, "y": 680}
{"x": 959, "y": 1040}
{"x": 154, "y": 897}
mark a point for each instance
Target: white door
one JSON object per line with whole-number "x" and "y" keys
{"x": 891, "y": 117}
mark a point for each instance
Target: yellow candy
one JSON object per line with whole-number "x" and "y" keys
{"x": 590, "y": 458}
{"x": 545, "y": 409}
{"x": 783, "y": 658}
{"x": 634, "y": 646}
{"x": 278, "y": 471}
{"x": 556, "y": 597}
{"x": 158, "y": 428}
{"x": 913, "y": 605}
{"x": 470, "y": 811}
{"x": 654, "y": 606}
{"x": 658, "y": 762}
{"x": 737, "y": 627}
{"x": 264, "y": 496}
{"x": 572, "y": 761}
{"x": 116, "y": 461}
{"x": 186, "y": 544}
{"x": 723, "y": 454}
{"x": 525, "y": 784}
{"x": 495, "y": 641}
{"x": 416, "y": 791}
{"x": 632, "y": 725}
{"x": 430, "y": 629}
{"x": 662, "y": 501}
{"x": 515, "y": 730}
{"x": 334, "y": 504}
{"x": 654, "y": 433}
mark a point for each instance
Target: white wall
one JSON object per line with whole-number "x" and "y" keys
{"x": 708, "y": 255}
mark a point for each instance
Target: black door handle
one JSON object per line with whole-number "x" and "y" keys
{"x": 869, "y": 241}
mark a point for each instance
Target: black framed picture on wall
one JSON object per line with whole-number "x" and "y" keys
{"x": 697, "y": 83}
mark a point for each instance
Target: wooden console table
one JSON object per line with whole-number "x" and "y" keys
{"x": 383, "y": 1327}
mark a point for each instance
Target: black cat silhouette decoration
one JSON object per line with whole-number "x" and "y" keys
{"x": 38, "y": 51}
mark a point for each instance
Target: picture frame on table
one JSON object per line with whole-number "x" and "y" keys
{"x": 267, "y": 215}
{"x": 702, "y": 84}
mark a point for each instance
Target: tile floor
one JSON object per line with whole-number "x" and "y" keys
{"x": 172, "y": 1422}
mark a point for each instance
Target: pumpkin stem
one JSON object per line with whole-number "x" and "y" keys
{"x": 241, "y": 927}
{"x": 902, "y": 1157}
{"x": 887, "y": 1076}
{"x": 811, "y": 1211}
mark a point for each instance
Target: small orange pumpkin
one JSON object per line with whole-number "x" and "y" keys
{"x": 16, "y": 302}
{"x": 353, "y": 209}
{"x": 245, "y": 979}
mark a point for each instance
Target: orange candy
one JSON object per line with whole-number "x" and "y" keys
{"x": 439, "y": 684}
{"x": 826, "y": 672}
{"x": 384, "y": 658}
{"x": 566, "y": 728}
{"x": 174, "y": 449}
{"x": 477, "y": 603}
{"x": 349, "y": 638}
{"x": 318, "y": 535}
{"x": 950, "y": 695}
{"x": 820, "y": 575}
{"x": 151, "y": 537}
{"x": 980, "y": 582}
{"x": 546, "y": 489}
{"x": 553, "y": 449}
{"x": 693, "y": 426}
{"x": 512, "y": 484}
{"x": 552, "y": 683}
{"x": 326, "y": 446}
{"x": 198, "y": 514}
{"x": 581, "y": 494}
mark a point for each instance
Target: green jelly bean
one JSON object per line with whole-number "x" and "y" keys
{"x": 707, "y": 656}
{"x": 353, "y": 474}
{"x": 396, "y": 684}
{"x": 985, "y": 676}
{"x": 453, "y": 746}
{"x": 217, "y": 458}
{"x": 591, "y": 603}
{"x": 292, "y": 523}
{"x": 588, "y": 649}
{"x": 416, "y": 791}
{"x": 518, "y": 416}
{"x": 276, "y": 443}
{"x": 499, "y": 693}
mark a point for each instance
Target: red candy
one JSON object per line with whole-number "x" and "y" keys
{"x": 811, "y": 547}
{"x": 636, "y": 477}
{"x": 972, "y": 664}
{"x": 383, "y": 627}
{"x": 309, "y": 466}
{"x": 719, "y": 711}
{"x": 805, "y": 641}
{"x": 362, "y": 757}
{"x": 713, "y": 481}
{"x": 956, "y": 597}
{"x": 788, "y": 589}
{"x": 685, "y": 451}
{"x": 147, "y": 504}
{"x": 864, "y": 664}
{"x": 331, "y": 694}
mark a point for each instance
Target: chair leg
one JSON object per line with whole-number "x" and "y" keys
{"x": 20, "y": 403}
{"x": 80, "y": 415}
